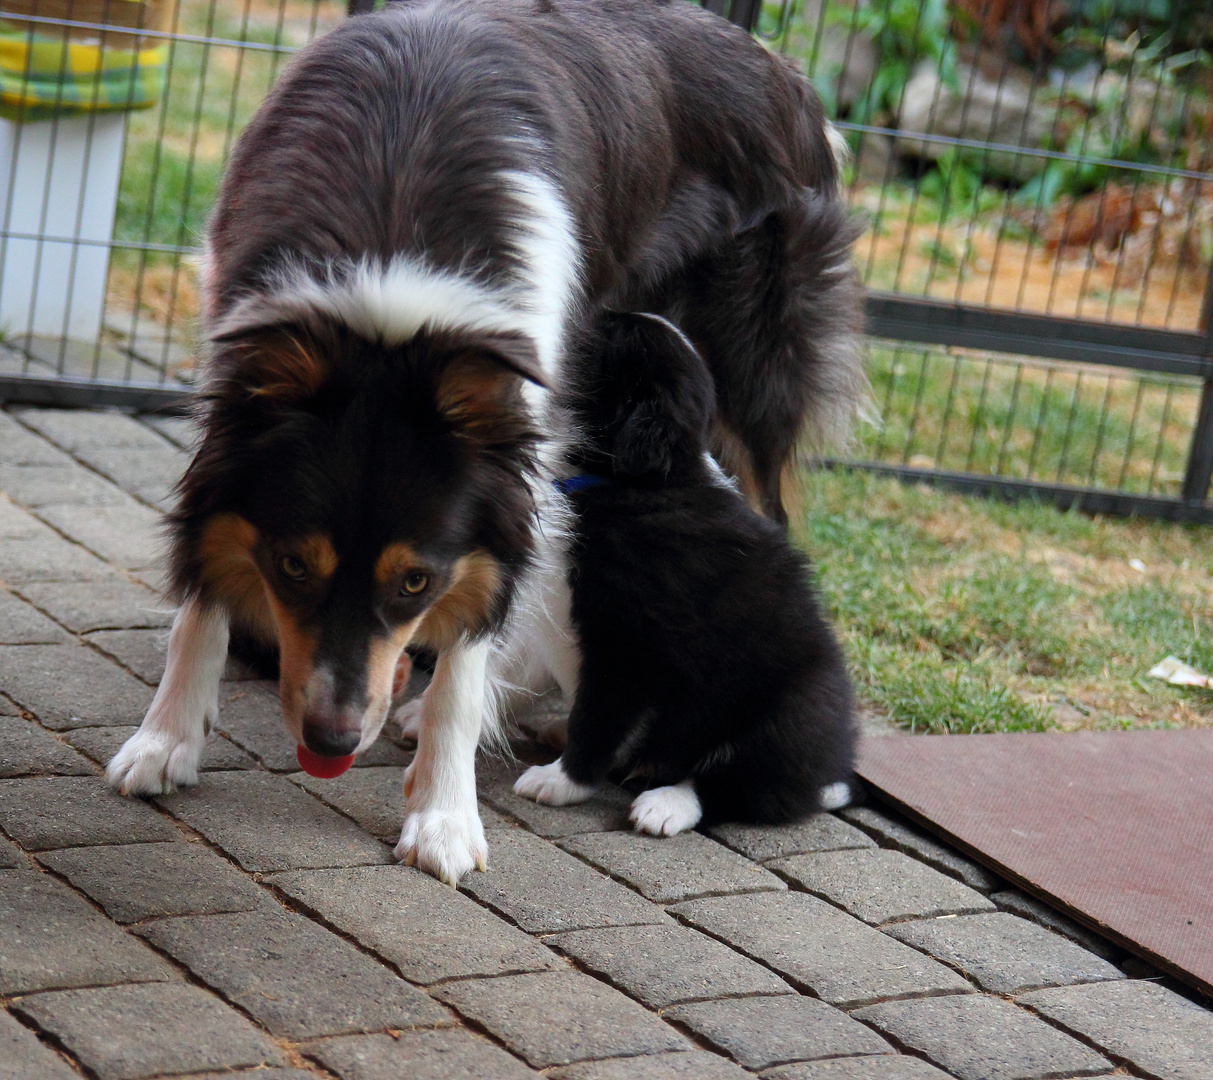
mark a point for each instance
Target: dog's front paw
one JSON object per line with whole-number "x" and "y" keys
{"x": 551, "y": 785}
{"x": 445, "y": 843}
{"x": 154, "y": 763}
{"x": 664, "y": 811}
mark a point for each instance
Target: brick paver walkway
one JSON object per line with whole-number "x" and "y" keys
{"x": 258, "y": 922}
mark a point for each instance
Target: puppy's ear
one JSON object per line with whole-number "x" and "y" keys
{"x": 668, "y": 390}
{"x": 646, "y": 443}
{"x": 480, "y": 381}
{"x": 281, "y": 363}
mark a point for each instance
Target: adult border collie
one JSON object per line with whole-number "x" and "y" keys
{"x": 708, "y": 676}
{"x": 410, "y": 233}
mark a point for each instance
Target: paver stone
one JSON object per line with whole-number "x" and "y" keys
{"x": 690, "y": 1065}
{"x": 298, "y": 979}
{"x": 546, "y": 890}
{"x": 69, "y": 686}
{"x": 1158, "y": 1032}
{"x": 815, "y": 945}
{"x": 895, "y": 833}
{"x": 112, "y": 604}
{"x": 23, "y": 624}
{"x": 73, "y": 811}
{"x": 145, "y": 881}
{"x": 29, "y": 750}
{"x": 52, "y": 939}
{"x": 821, "y": 832}
{"x": 877, "y": 885}
{"x": 129, "y": 1032}
{"x": 671, "y": 868}
{"x": 762, "y": 1031}
{"x": 1004, "y": 953}
{"x": 426, "y": 929}
{"x": 978, "y": 1037}
{"x": 448, "y": 1054}
{"x": 556, "y": 1018}
{"x": 266, "y": 823}
{"x": 23, "y": 1057}
{"x": 884, "y": 1067}
{"x": 663, "y": 965}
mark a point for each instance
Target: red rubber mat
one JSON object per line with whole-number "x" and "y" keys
{"x": 1114, "y": 828}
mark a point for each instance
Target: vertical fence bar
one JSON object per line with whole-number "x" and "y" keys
{"x": 1199, "y": 472}
{"x": 745, "y": 13}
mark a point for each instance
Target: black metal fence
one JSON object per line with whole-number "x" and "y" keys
{"x": 1034, "y": 174}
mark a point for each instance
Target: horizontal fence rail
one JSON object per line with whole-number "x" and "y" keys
{"x": 1034, "y": 177}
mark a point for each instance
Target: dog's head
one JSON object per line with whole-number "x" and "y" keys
{"x": 350, "y": 498}
{"x": 644, "y": 399}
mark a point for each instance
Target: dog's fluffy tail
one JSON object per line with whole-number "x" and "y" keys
{"x": 777, "y": 312}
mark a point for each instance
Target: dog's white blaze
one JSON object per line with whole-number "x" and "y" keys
{"x": 164, "y": 752}
{"x": 388, "y": 303}
{"x": 665, "y": 811}
{"x": 550, "y": 784}
{"x": 393, "y": 302}
{"x": 551, "y": 261}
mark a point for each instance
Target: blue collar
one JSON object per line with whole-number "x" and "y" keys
{"x": 569, "y": 484}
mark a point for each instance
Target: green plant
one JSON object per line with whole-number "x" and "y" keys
{"x": 905, "y": 32}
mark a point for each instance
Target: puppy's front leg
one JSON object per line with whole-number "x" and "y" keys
{"x": 442, "y": 832}
{"x": 164, "y": 752}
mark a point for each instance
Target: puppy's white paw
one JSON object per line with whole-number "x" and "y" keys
{"x": 154, "y": 763}
{"x": 551, "y": 785}
{"x": 408, "y": 716}
{"x": 445, "y": 843}
{"x": 664, "y": 811}
{"x": 836, "y": 796}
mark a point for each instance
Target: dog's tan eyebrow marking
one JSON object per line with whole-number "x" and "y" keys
{"x": 393, "y": 561}
{"x": 229, "y": 569}
{"x": 318, "y": 553}
{"x": 467, "y": 605}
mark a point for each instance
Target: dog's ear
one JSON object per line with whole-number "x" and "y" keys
{"x": 480, "y": 380}
{"x": 280, "y": 363}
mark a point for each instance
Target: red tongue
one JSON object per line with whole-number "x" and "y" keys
{"x": 323, "y": 767}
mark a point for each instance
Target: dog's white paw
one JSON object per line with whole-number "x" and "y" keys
{"x": 445, "y": 843}
{"x": 551, "y": 785}
{"x": 664, "y": 811}
{"x": 154, "y": 763}
{"x": 836, "y": 796}
{"x": 408, "y": 716}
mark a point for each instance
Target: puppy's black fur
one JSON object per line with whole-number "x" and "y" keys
{"x": 704, "y": 653}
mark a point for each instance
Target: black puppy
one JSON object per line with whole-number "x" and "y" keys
{"x": 708, "y": 673}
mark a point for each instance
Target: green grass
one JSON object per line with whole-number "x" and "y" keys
{"x": 961, "y": 615}
{"x": 1036, "y": 421}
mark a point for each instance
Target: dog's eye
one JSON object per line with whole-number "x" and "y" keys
{"x": 414, "y": 583}
{"x": 292, "y": 568}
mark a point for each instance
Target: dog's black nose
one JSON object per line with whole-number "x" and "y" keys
{"x": 330, "y": 742}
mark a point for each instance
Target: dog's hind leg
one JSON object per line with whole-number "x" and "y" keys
{"x": 163, "y": 754}
{"x": 442, "y": 832}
